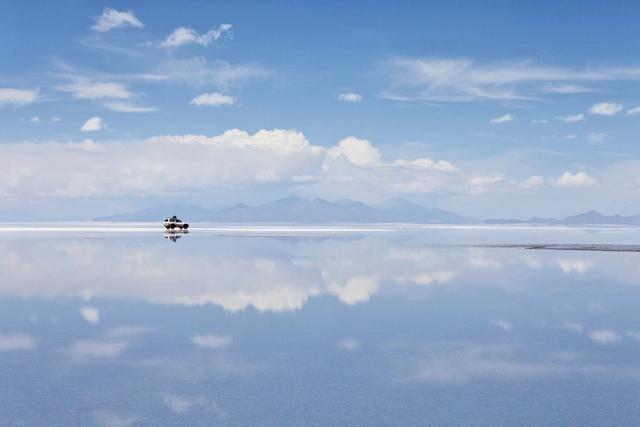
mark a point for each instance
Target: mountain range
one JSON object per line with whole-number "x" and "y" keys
{"x": 294, "y": 209}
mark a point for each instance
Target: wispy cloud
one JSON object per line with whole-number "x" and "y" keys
{"x": 87, "y": 349}
{"x": 16, "y": 342}
{"x": 502, "y": 119}
{"x": 605, "y": 336}
{"x": 125, "y": 107}
{"x": 83, "y": 89}
{"x": 111, "y": 19}
{"x": 213, "y": 99}
{"x": 462, "y": 79}
{"x": 572, "y": 119}
{"x": 17, "y": 97}
{"x": 635, "y": 110}
{"x": 211, "y": 341}
{"x": 566, "y": 89}
{"x": 184, "y": 35}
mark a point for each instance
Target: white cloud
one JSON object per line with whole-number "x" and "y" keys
{"x": 211, "y": 341}
{"x": 350, "y": 97}
{"x": 124, "y": 107}
{"x": 571, "y": 136}
{"x": 16, "y": 342}
{"x": 184, "y": 35}
{"x": 90, "y": 314}
{"x": 17, "y": 97}
{"x": 596, "y": 137}
{"x": 428, "y": 164}
{"x": 502, "y": 119}
{"x": 34, "y": 119}
{"x": 572, "y": 265}
{"x": 461, "y": 79}
{"x": 357, "y": 151}
{"x": 356, "y": 290}
{"x": 199, "y": 71}
{"x": 502, "y": 324}
{"x": 635, "y": 110}
{"x": 85, "y": 349}
{"x": 180, "y": 405}
{"x": 539, "y": 121}
{"x": 349, "y": 344}
{"x": 83, "y": 89}
{"x": 566, "y": 89}
{"x": 214, "y": 98}
{"x": 534, "y": 181}
{"x": 111, "y": 19}
{"x": 604, "y": 336}
{"x": 93, "y": 124}
{"x": 55, "y": 119}
{"x": 573, "y": 326}
{"x": 606, "y": 108}
{"x": 479, "y": 183}
{"x": 578, "y": 179}
{"x": 573, "y": 119}
{"x": 107, "y": 418}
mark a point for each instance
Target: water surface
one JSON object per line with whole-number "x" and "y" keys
{"x": 275, "y": 326}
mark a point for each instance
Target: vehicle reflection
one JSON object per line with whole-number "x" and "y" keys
{"x": 175, "y": 235}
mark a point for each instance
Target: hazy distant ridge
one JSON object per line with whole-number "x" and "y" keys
{"x": 299, "y": 210}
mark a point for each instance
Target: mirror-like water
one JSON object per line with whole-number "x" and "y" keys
{"x": 318, "y": 327}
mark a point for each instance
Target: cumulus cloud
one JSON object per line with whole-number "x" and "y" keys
{"x": 17, "y": 97}
{"x": 605, "y": 108}
{"x": 16, "y": 342}
{"x": 111, "y": 19}
{"x": 604, "y": 336}
{"x": 573, "y": 119}
{"x": 93, "y": 124}
{"x": 462, "y": 79}
{"x": 90, "y": 314}
{"x": 573, "y": 265}
{"x": 350, "y": 97}
{"x": 578, "y": 179}
{"x": 184, "y": 35}
{"x": 356, "y": 290}
{"x": 211, "y": 341}
{"x": 357, "y": 151}
{"x": 34, "y": 119}
{"x": 502, "y": 119}
{"x": 214, "y": 98}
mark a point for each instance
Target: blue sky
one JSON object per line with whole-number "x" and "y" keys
{"x": 488, "y": 109}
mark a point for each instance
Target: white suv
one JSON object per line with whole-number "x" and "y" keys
{"x": 173, "y": 223}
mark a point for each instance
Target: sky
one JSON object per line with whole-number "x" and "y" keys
{"x": 490, "y": 109}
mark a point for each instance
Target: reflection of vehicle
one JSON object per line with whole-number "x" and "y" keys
{"x": 174, "y": 235}
{"x": 173, "y": 223}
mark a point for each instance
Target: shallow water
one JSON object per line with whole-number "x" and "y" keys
{"x": 255, "y": 325}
